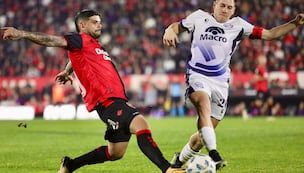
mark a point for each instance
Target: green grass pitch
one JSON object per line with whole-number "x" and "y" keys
{"x": 253, "y": 146}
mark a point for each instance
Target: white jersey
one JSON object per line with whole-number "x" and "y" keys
{"x": 213, "y": 43}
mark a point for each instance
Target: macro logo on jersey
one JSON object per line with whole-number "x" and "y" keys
{"x": 215, "y": 30}
{"x": 214, "y": 33}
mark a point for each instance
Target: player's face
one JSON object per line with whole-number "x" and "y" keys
{"x": 223, "y": 10}
{"x": 93, "y": 26}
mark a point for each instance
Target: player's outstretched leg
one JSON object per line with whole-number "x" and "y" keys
{"x": 63, "y": 167}
{"x": 98, "y": 155}
{"x": 148, "y": 146}
{"x": 145, "y": 141}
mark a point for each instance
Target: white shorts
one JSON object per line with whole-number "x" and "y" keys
{"x": 216, "y": 89}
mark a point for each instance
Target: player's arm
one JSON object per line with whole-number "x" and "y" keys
{"x": 68, "y": 68}
{"x": 283, "y": 29}
{"x": 170, "y": 37}
{"x": 64, "y": 76}
{"x": 11, "y": 33}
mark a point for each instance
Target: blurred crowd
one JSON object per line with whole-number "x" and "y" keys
{"x": 132, "y": 34}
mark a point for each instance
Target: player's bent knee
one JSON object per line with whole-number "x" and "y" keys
{"x": 138, "y": 123}
{"x": 117, "y": 156}
{"x": 117, "y": 150}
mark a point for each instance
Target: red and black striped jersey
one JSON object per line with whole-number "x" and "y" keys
{"x": 95, "y": 72}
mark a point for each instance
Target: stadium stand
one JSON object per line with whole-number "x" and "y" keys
{"x": 133, "y": 37}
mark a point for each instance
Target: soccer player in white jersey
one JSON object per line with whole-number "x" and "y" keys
{"x": 215, "y": 37}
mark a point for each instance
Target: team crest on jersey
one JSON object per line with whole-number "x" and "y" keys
{"x": 119, "y": 113}
{"x": 215, "y": 34}
{"x": 228, "y": 25}
{"x": 104, "y": 53}
{"x": 199, "y": 84}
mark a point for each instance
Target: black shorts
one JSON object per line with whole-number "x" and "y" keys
{"x": 118, "y": 117}
{"x": 175, "y": 99}
{"x": 263, "y": 95}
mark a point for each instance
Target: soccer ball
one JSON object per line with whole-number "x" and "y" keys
{"x": 200, "y": 164}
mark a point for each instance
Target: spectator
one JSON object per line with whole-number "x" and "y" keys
{"x": 135, "y": 22}
{"x": 300, "y": 110}
{"x": 175, "y": 92}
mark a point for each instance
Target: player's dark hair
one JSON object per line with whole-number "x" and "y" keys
{"x": 84, "y": 15}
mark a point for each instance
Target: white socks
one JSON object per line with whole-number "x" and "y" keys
{"x": 186, "y": 153}
{"x": 208, "y": 136}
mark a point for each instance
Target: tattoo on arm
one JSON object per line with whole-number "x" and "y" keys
{"x": 294, "y": 22}
{"x": 44, "y": 39}
{"x": 68, "y": 68}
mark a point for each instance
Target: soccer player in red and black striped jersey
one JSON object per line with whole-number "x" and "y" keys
{"x": 102, "y": 90}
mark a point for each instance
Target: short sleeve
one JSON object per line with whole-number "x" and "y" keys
{"x": 250, "y": 30}
{"x": 189, "y": 22}
{"x": 74, "y": 41}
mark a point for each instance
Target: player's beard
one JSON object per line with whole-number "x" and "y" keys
{"x": 96, "y": 34}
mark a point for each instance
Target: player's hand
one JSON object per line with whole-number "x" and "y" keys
{"x": 299, "y": 20}
{"x": 11, "y": 33}
{"x": 170, "y": 38}
{"x": 63, "y": 77}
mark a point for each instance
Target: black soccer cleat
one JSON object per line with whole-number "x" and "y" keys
{"x": 64, "y": 165}
{"x": 176, "y": 163}
{"x": 219, "y": 162}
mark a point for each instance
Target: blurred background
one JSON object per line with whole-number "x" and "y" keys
{"x": 267, "y": 77}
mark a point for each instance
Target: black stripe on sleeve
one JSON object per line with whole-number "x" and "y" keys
{"x": 74, "y": 41}
{"x": 182, "y": 26}
{"x": 236, "y": 40}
